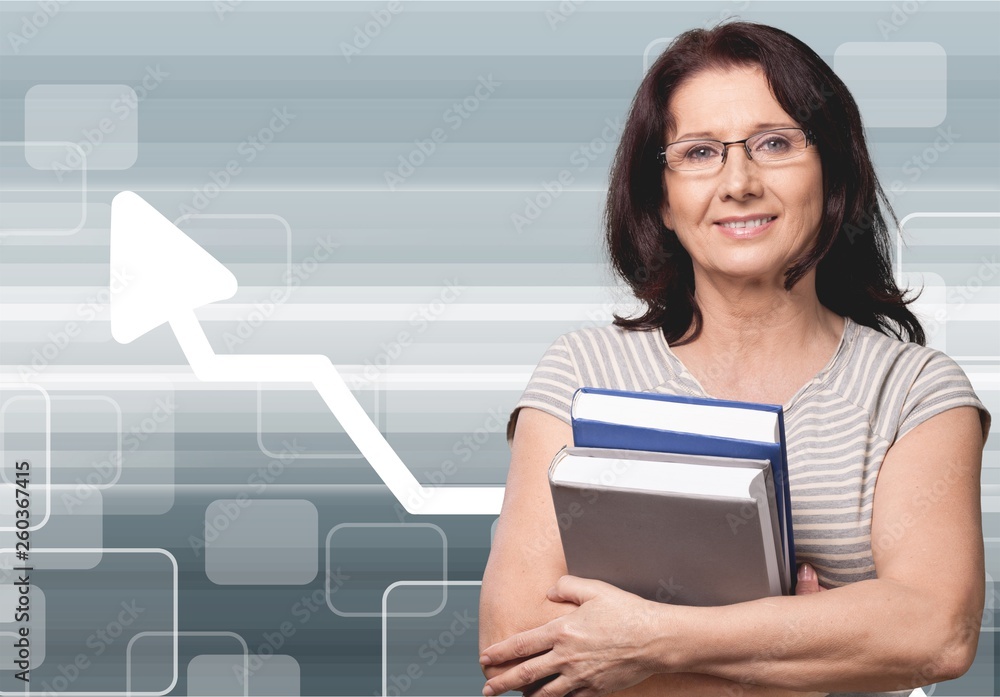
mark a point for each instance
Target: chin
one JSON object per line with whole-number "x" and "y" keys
{"x": 750, "y": 272}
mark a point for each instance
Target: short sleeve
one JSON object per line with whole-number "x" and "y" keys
{"x": 551, "y": 385}
{"x": 940, "y": 385}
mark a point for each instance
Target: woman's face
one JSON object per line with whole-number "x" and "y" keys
{"x": 729, "y": 105}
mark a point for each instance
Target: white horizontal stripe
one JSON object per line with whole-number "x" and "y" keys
{"x": 860, "y": 539}
{"x": 850, "y": 571}
{"x": 853, "y": 496}
{"x": 553, "y": 371}
{"x": 971, "y": 311}
{"x": 821, "y": 414}
{"x": 863, "y": 556}
{"x": 811, "y": 468}
{"x": 834, "y": 454}
{"x": 400, "y": 377}
{"x": 835, "y": 410}
{"x": 853, "y": 484}
{"x": 322, "y": 293}
{"x": 552, "y": 394}
{"x": 830, "y": 467}
{"x": 848, "y": 507}
{"x": 431, "y": 309}
{"x": 846, "y": 527}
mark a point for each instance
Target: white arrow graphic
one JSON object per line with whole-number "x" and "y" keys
{"x": 165, "y": 276}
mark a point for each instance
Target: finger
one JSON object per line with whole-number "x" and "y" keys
{"x": 532, "y": 689}
{"x": 519, "y": 645}
{"x": 521, "y": 675}
{"x": 575, "y": 589}
{"x": 808, "y": 582}
{"x": 558, "y": 686}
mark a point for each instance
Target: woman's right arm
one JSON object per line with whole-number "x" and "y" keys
{"x": 526, "y": 559}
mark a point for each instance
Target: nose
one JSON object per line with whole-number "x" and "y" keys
{"x": 738, "y": 178}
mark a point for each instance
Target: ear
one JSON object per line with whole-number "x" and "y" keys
{"x": 666, "y": 215}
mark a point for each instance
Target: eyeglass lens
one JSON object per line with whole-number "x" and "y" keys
{"x": 769, "y": 146}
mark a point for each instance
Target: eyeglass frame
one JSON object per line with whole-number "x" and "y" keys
{"x": 661, "y": 155}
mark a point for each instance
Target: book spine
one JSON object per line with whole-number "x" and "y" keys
{"x": 787, "y": 513}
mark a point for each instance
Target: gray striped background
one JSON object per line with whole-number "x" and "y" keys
{"x": 439, "y": 256}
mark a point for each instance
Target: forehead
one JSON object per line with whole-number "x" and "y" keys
{"x": 724, "y": 103}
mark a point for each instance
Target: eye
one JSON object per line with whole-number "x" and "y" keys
{"x": 699, "y": 152}
{"x": 773, "y": 143}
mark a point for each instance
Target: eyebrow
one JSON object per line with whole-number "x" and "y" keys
{"x": 757, "y": 129}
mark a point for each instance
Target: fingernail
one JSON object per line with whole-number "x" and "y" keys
{"x": 488, "y": 691}
{"x": 485, "y": 660}
{"x": 806, "y": 573}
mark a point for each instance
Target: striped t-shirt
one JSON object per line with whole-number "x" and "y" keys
{"x": 838, "y": 426}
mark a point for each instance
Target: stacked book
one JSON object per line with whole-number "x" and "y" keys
{"x": 677, "y": 499}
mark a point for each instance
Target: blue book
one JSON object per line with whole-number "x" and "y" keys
{"x": 619, "y": 419}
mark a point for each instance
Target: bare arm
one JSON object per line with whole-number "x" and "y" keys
{"x": 526, "y": 556}
{"x": 917, "y": 623}
{"x": 527, "y": 559}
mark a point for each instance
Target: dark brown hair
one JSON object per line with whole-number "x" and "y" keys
{"x": 852, "y": 251}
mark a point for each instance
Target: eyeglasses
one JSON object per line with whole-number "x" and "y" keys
{"x": 767, "y": 146}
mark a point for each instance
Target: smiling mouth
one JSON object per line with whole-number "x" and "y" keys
{"x": 748, "y": 223}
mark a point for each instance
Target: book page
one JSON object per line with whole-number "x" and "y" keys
{"x": 645, "y": 475}
{"x": 703, "y": 419}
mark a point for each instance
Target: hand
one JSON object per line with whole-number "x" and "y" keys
{"x": 600, "y": 647}
{"x": 807, "y": 581}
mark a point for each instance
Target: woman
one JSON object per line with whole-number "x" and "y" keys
{"x": 736, "y": 210}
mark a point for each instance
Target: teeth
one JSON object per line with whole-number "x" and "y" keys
{"x": 748, "y": 223}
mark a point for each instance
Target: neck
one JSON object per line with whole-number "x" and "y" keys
{"x": 759, "y": 320}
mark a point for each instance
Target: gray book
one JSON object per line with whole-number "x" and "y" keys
{"x": 682, "y": 529}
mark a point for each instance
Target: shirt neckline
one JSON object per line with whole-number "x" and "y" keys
{"x": 678, "y": 368}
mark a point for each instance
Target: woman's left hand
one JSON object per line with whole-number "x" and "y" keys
{"x": 603, "y": 646}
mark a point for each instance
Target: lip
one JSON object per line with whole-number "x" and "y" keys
{"x": 744, "y": 218}
{"x": 744, "y": 233}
